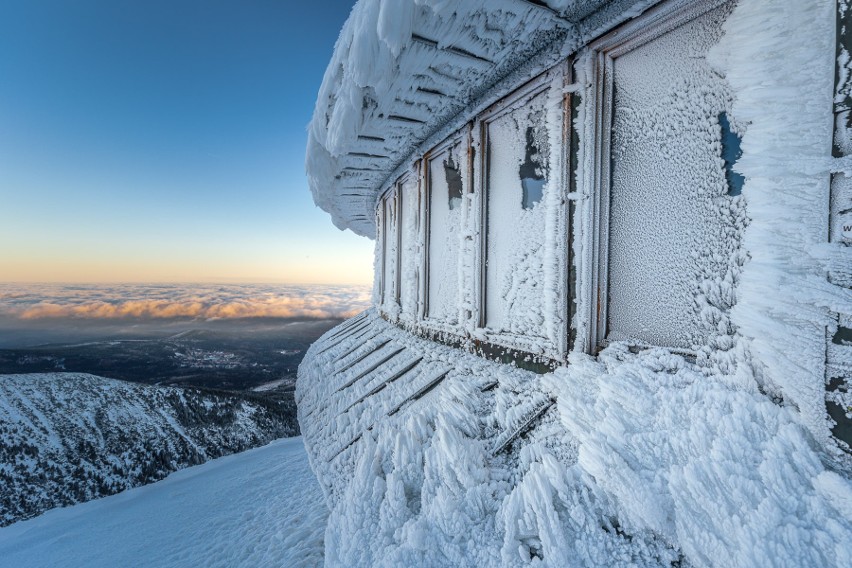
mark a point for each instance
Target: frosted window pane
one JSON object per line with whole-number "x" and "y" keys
{"x": 533, "y": 190}
{"x": 666, "y": 227}
{"x": 454, "y": 182}
{"x": 531, "y": 173}
{"x": 516, "y": 183}
{"x": 390, "y": 251}
{"x": 444, "y": 241}
{"x": 731, "y": 152}
{"x": 408, "y": 254}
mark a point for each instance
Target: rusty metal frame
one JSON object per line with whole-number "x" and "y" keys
{"x": 460, "y": 138}
{"x": 635, "y": 33}
{"x": 513, "y": 101}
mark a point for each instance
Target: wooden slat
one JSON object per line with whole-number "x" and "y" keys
{"x": 370, "y": 369}
{"x": 422, "y": 391}
{"x": 508, "y": 436}
{"x": 383, "y": 384}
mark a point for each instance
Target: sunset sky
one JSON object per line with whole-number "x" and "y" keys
{"x": 164, "y": 141}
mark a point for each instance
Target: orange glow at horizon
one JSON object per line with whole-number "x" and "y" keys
{"x": 317, "y": 266}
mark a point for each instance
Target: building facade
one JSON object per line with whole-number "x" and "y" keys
{"x": 603, "y": 231}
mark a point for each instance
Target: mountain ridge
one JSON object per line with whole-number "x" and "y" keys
{"x": 67, "y": 438}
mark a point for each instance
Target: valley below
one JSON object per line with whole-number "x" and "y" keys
{"x": 120, "y": 408}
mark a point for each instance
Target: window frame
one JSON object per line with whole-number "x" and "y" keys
{"x": 603, "y": 52}
{"x": 460, "y": 138}
{"x": 389, "y": 230}
{"x": 557, "y": 77}
{"x": 401, "y": 200}
{"x": 383, "y": 215}
{"x": 398, "y": 204}
{"x": 381, "y": 246}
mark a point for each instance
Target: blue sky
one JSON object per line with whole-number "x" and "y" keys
{"x": 164, "y": 141}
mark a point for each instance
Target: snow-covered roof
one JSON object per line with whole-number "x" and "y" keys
{"x": 401, "y": 70}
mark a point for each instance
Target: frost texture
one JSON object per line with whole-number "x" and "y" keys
{"x": 724, "y": 472}
{"x": 784, "y": 299}
{"x": 643, "y": 461}
{"x": 445, "y": 225}
{"x": 673, "y": 230}
{"x": 385, "y": 91}
{"x": 516, "y": 235}
{"x": 410, "y": 255}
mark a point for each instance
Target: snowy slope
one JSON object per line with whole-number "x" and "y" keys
{"x": 258, "y": 508}
{"x": 68, "y": 437}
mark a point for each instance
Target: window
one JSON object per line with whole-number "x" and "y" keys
{"x": 731, "y": 152}
{"x": 444, "y": 191}
{"x": 660, "y": 179}
{"x": 482, "y": 244}
{"x": 409, "y": 238}
{"x": 524, "y": 218}
{"x": 389, "y": 251}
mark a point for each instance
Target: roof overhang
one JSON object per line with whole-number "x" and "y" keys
{"x": 402, "y": 70}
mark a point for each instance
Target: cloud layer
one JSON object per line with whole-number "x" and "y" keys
{"x": 170, "y": 301}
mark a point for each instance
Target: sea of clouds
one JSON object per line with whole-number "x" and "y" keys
{"x": 26, "y": 302}
{"x": 40, "y": 314}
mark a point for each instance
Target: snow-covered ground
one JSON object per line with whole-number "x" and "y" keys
{"x": 66, "y": 438}
{"x": 262, "y": 507}
{"x": 643, "y": 460}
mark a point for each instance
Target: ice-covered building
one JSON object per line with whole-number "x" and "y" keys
{"x": 612, "y": 318}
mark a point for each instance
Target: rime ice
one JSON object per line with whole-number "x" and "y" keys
{"x": 651, "y": 217}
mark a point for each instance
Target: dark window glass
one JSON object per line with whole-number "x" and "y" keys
{"x": 454, "y": 182}
{"x": 731, "y": 152}
{"x": 531, "y": 173}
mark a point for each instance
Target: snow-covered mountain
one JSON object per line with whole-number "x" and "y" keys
{"x": 66, "y": 438}
{"x": 259, "y": 508}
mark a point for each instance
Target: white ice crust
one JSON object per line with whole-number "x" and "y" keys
{"x": 645, "y": 458}
{"x": 400, "y": 70}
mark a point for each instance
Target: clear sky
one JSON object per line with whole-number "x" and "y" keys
{"x": 164, "y": 140}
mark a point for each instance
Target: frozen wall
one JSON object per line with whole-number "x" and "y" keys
{"x": 688, "y": 268}
{"x": 432, "y": 456}
{"x": 786, "y": 304}
{"x": 644, "y": 460}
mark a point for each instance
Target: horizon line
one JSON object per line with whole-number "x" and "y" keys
{"x": 183, "y": 282}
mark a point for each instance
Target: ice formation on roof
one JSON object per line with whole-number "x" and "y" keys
{"x": 400, "y": 70}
